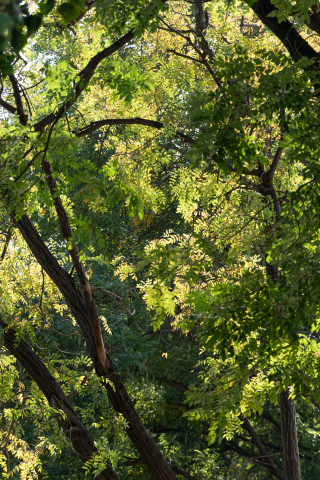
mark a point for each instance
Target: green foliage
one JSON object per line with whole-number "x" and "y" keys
{"x": 208, "y": 295}
{"x": 17, "y": 24}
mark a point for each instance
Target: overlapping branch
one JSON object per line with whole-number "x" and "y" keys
{"x": 67, "y": 419}
{"x": 85, "y": 76}
{"x": 265, "y": 460}
{"x": 297, "y": 46}
{"x": 270, "y": 465}
{"x": 74, "y": 253}
{"x": 116, "y": 390}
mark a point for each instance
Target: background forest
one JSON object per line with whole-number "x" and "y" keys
{"x": 159, "y": 230}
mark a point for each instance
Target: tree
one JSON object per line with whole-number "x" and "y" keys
{"x": 197, "y": 185}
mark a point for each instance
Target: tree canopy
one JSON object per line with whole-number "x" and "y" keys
{"x": 159, "y": 186}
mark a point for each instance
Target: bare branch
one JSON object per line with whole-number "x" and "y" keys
{"x": 262, "y": 449}
{"x": 4, "y": 251}
{"x": 7, "y": 106}
{"x": 179, "y": 386}
{"x": 85, "y": 76}
{"x": 205, "y": 48}
{"x": 129, "y": 121}
{"x": 279, "y": 151}
{"x": 44, "y": 151}
{"x": 117, "y": 297}
{"x": 234, "y": 447}
{"x": 23, "y": 118}
{"x": 74, "y": 253}
{"x": 314, "y": 19}
{"x": 117, "y": 121}
{"x": 70, "y": 423}
{"x": 70, "y": 25}
{"x": 184, "y": 56}
{"x": 83, "y": 382}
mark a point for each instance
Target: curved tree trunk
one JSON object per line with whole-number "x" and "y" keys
{"x": 117, "y": 393}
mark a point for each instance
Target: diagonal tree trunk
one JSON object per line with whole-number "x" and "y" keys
{"x": 70, "y": 423}
{"x": 117, "y": 393}
{"x": 291, "y": 457}
{"x": 286, "y": 32}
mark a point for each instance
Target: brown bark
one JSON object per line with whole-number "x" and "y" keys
{"x": 128, "y": 121}
{"x": 117, "y": 121}
{"x": 74, "y": 253}
{"x": 88, "y": 297}
{"x": 7, "y": 106}
{"x": 202, "y": 20}
{"x": 265, "y": 456}
{"x": 314, "y": 19}
{"x": 85, "y": 76}
{"x": 117, "y": 393}
{"x": 70, "y": 423}
{"x": 23, "y": 118}
{"x": 285, "y": 31}
{"x": 288, "y": 415}
{"x": 289, "y": 438}
{"x": 179, "y": 386}
{"x": 8, "y": 238}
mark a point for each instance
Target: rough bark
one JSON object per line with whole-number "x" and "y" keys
{"x": 201, "y": 16}
{"x": 23, "y": 118}
{"x": 289, "y": 438}
{"x": 117, "y": 393}
{"x": 70, "y": 423}
{"x": 74, "y": 253}
{"x": 202, "y": 20}
{"x": 285, "y": 31}
{"x": 314, "y": 19}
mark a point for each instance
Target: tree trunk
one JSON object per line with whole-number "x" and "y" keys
{"x": 117, "y": 393}
{"x": 285, "y": 31}
{"x": 289, "y": 437}
{"x": 70, "y": 423}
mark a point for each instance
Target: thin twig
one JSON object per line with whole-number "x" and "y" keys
{"x": 83, "y": 382}
{"x": 117, "y": 297}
